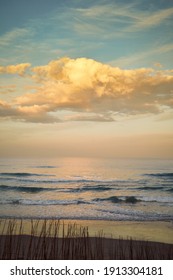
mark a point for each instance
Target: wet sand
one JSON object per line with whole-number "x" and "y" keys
{"x": 157, "y": 231}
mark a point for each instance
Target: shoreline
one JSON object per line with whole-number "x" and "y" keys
{"x": 156, "y": 231}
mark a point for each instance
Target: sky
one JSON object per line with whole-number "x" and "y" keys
{"x": 86, "y": 78}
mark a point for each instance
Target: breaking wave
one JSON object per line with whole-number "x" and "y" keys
{"x": 23, "y": 189}
{"x": 97, "y": 188}
{"x": 115, "y": 199}
{"x": 164, "y": 175}
{"x": 42, "y": 202}
{"x": 133, "y": 199}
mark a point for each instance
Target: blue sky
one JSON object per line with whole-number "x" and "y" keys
{"x": 127, "y": 34}
{"x": 84, "y": 75}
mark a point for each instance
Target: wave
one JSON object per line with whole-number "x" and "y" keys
{"x": 166, "y": 188}
{"x": 30, "y": 202}
{"x": 97, "y": 188}
{"x": 134, "y": 215}
{"x": 133, "y": 199}
{"x": 47, "y": 181}
{"x": 75, "y": 189}
{"x": 115, "y": 199}
{"x": 107, "y": 216}
{"x": 23, "y": 178}
{"x": 162, "y": 175}
{"x": 23, "y": 189}
{"x": 150, "y": 188}
{"x": 21, "y": 174}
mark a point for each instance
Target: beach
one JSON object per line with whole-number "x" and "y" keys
{"x": 87, "y": 208}
{"x": 46, "y": 239}
{"x": 146, "y": 231}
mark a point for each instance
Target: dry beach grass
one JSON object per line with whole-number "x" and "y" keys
{"x": 53, "y": 239}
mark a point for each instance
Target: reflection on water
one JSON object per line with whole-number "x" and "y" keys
{"x": 84, "y": 188}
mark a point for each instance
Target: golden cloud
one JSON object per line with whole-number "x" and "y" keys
{"x": 28, "y": 114}
{"x": 87, "y": 86}
{"x": 15, "y": 69}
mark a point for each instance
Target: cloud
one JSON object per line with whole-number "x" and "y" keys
{"x": 148, "y": 20}
{"x": 34, "y": 114}
{"x": 126, "y": 18}
{"x": 15, "y": 69}
{"x": 91, "y": 117}
{"x": 96, "y": 91}
{"x": 142, "y": 56}
{"x": 7, "y": 89}
{"x": 13, "y": 35}
{"x": 6, "y": 110}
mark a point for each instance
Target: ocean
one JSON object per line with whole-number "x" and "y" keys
{"x": 87, "y": 189}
